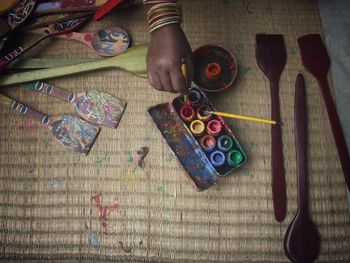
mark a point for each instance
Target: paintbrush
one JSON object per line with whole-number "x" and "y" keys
{"x": 184, "y": 73}
{"x": 247, "y": 118}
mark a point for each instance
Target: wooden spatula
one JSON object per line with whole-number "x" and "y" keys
{"x": 271, "y": 59}
{"x": 316, "y": 60}
{"x": 68, "y": 130}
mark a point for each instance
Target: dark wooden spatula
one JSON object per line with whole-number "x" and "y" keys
{"x": 271, "y": 58}
{"x": 301, "y": 241}
{"x": 315, "y": 59}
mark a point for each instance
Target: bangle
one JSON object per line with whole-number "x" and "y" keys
{"x": 152, "y": 2}
{"x": 162, "y": 14}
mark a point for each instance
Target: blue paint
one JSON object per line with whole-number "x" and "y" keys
{"x": 225, "y": 143}
{"x": 217, "y": 158}
{"x": 94, "y": 241}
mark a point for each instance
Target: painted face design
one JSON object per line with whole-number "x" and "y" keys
{"x": 101, "y": 108}
{"x": 110, "y": 42}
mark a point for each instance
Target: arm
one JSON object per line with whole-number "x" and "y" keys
{"x": 168, "y": 47}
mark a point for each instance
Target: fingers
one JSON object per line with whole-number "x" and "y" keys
{"x": 154, "y": 80}
{"x": 178, "y": 81}
{"x": 166, "y": 81}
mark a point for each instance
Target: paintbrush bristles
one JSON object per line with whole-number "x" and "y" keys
{"x": 6, "y": 101}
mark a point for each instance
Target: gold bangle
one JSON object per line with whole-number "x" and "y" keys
{"x": 165, "y": 24}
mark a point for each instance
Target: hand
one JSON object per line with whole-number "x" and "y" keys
{"x": 167, "y": 48}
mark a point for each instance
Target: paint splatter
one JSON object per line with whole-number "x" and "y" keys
{"x": 46, "y": 143}
{"x": 129, "y": 156}
{"x": 126, "y": 249}
{"x": 169, "y": 158}
{"x": 161, "y": 189}
{"x": 31, "y": 126}
{"x": 104, "y": 211}
{"x": 76, "y": 160}
{"x": 246, "y": 69}
{"x": 293, "y": 51}
{"x": 104, "y": 159}
{"x": 51, "y": 183}
{"x": 249, "y": 11}
{"x": 94, "y": 241}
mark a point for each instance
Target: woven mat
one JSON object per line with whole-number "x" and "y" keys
{"x": 49, "y": 195}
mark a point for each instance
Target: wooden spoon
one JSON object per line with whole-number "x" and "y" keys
{"x": 301, "y": 241}
{"x": 133, "y": 60}
{"x": 106, "y": 42}
{"x": 271, "y": 59}
{"x": 94, "y": 106}
{"x": 68, "y": 130}
{"x": 53, "y": 29}
{"x": 316, "y": 60}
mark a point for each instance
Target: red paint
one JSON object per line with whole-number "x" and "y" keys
{"x": 208, "y": 142}
{"x": 104, "y": 210}
{"x": 187, "y": 113}
{"x": 106, "y": 8}
{"x": 213, "y": 71}
{"x": 214, "y": 127}
{"x": 88, "y": 37}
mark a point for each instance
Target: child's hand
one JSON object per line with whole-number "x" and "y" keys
{"x": 167, "y": 48}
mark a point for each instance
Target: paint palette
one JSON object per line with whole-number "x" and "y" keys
{"x": 203, "y": 143}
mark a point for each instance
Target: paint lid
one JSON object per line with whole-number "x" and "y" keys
{"x": 216, "y": 68}
{"x": 225, "y": 143}
{"x": 217, "y": 158}
{"x": 234, "y": 158}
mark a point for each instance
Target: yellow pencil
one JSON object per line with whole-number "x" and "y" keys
{"x": 184, "y": 73}
{"x": 235, "y": 116}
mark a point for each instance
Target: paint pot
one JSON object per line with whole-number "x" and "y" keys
{"x": 234, "y": 158}
{"x": 187, "y": 113}
{"x": 213, "y": 71}
{"x": 214, "y": 127}
{"x": 225, "y": 143}
{"x": 195, "y": 98}
{"x": 197, "y": 127}
{"x": 208, "y": 143}
{"x": 215, "y": 68}
{"x": 201, "y": 115}
{"x": 217, "y": 158}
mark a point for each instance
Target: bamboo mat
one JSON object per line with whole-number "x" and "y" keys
{"x": 49, "y": 195}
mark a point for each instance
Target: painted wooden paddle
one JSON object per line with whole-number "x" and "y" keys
{"x": 94, "y": 106}
{"x": 5, "y": 5}
{"x": 106, "y": 42}
{"x": 133, "y": 60}
{"x": 316, "y": 60}
{"x": 68, "y": 130}
{"x": 53, "y": 29}
{"x": 41, "y": 63}
{"x": 301, "y": 241}
{"x": 271, "y": 59}
{"x": 15, "y": 17}
{"x": 68, "y": 6}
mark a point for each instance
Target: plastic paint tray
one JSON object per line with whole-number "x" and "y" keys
{"x": 188, "y": 149}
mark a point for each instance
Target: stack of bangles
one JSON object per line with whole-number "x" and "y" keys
{"x": 164, "y": 12}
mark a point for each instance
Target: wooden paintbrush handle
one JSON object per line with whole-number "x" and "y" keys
{"x": 21, "y": 108}
{"x": 51, "y": 90}
{"x": 300, "y": 119}
{"x": 337, "y": 130}
{"x": 278, "y": 178}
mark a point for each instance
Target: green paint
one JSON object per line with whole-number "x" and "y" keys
{"x": 246, "y": 69}
{"x": 129, "y": 156}
{"x": 46, "y": 143}
{"x": 293, "y": 51}
{"x": 104, "y": 159}
{"x": 169, "y": 158}
{"x": 161, "y": 189}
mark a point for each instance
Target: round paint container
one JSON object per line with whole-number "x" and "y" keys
{"x": 208, "y": 143}
{"x": 217, "y": 158}
{"x": 225, "y": 143}
{"x": 214, "y": 127}
{"x": 187, "y": 113}
{"x": 215, "y": 68}
{"x": 195, "y": 98}
{"x": 234, "y": 158}
{"x": 201, "y": 115}
{"x": 197, "y": 128}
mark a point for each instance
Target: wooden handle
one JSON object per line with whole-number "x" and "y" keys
{"x": 51, "y": 90}
{"x": 337, "y": 129}
{"x": 19, "y": 51}
{"x": 133, "y": 60}
{"x": 300, "y": 119}
{"x": 278, "y": 178}
{"x": 21, "y": 108}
